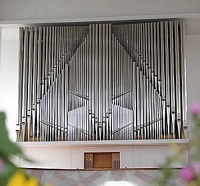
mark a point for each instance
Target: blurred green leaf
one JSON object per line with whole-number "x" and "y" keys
{"x": 7, "y": 147}
{"x": 8, "y": 170}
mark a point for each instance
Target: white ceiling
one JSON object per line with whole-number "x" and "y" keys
{"x": 44, "y": 11}
{"x": 20, "y": 12}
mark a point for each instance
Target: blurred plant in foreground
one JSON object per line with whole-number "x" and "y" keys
{"x": 10, "y": 174}
{"x": 190, "y": 174}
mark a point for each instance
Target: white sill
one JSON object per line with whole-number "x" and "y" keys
{"x": 103, "y": 143}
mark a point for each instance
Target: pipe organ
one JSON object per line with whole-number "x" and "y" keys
{"x": 102, "y": 81}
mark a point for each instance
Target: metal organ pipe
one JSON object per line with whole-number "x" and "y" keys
{"x": 20, "y": 85}
{"x": 183, "y": 78}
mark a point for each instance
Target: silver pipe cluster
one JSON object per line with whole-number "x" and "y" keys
{"x": 102, "y": 82}
{"x": 158, "y": 78}
{"x": 43, "y": 80}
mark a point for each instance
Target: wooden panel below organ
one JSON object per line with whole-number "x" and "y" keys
{"x": 102, "y": 160}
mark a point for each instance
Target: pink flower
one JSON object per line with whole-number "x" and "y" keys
{"x": 186, "y": 174}
{"x": 195, "y": 110}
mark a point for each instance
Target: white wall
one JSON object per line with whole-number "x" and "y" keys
{"x": 23, "y": 11}
{"x": 192, "y": 48}
{"x": 0, "y": 45}
{"x": 70, "y": 155}
{"x": 9, "y": 77}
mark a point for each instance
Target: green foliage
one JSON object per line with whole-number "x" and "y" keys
{"x": 7, "y": 148}
{"x": 8, "y": 170}
{"x": 10, "y": 174}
